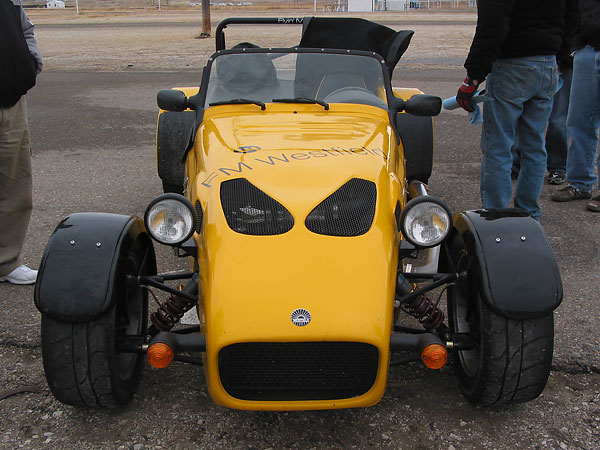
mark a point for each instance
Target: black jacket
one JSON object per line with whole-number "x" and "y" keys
{"x": 564, "y": 58}
{"x": 588, "y": 32}
{"x": 18, "y": 67}
{"x": 513, "y": 29}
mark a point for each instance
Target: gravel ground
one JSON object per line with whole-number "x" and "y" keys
{"x": 173, "y": 410}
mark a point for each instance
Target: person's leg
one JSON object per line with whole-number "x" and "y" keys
{"x": 516, "y": 166}
{"x": 530, "y": 129}
{"x": 583, "y": 120}
{"x": 508, "y": 84}
{"x": 556, "y": 134}
{"x": 594, "y": 204}
{"x": 15, "y": 184}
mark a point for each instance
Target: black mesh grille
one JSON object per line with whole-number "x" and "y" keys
{"x": 200, "y": 215}
{"x": 298, "y": 370}
{"x": 249, "y": 210}
{"x": 349, "y": 211}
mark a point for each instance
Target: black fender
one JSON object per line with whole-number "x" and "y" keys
{"x": 416, "y": 133}
{"x": 174, "y": 136}
{"x": 82, "y": 265}
{"x": 518, "y": 272}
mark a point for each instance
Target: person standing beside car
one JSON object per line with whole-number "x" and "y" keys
{"x": 557, "y": 141}
{"x": 514, "y": 47}
{"x": 20, "y": 63}
{"x": 583, "y": 121}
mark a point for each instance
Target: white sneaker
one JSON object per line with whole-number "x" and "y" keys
{"x": 21, "y": 275}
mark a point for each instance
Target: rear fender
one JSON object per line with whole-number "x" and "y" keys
{"x": 81, "y": 264}
{"x": 518, "y": 271}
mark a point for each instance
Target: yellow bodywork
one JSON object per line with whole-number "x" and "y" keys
{"x": 249, "y": 285}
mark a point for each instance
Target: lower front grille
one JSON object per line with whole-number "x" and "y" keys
{"x": 291, "y": 371}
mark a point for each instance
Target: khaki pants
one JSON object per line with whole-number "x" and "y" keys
{"x": 15, "y": 184}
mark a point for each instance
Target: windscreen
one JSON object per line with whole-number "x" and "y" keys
{"x": 268, "y": 76}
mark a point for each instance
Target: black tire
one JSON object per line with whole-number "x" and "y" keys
{"x": 416, "y": 133}
{"x": 82, "y": 364}
{"x": 173, "y": 135}
{"x": 512, "y": 359}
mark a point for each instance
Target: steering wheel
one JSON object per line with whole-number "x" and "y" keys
{"x": 355, "y": 94}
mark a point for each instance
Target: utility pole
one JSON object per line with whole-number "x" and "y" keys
{"x": 205, "y": 33}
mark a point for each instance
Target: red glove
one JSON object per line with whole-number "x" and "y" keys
{"x": 465, "y": 93}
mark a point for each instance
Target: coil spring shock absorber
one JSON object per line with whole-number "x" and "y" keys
{"x": 422, "y": 307}
{"x": 169, "y": 312}
{"x": 174, "y": 307}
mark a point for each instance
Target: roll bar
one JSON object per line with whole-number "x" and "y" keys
{"x": 220, "y": 33}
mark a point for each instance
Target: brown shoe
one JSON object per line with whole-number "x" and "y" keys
{"x": 594, "y": 204}
{"x": 568, "y": 193}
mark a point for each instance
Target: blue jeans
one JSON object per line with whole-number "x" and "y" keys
{"x": 557, "y": 141}
{"x": 521, "y": 90}
{"x": 584, "y": 120}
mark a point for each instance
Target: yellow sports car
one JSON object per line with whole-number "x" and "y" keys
{"x": 295, "y": 184}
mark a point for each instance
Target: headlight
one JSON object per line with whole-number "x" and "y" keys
{"x": 170, "y": 219}
{"x": 425, "y": 221}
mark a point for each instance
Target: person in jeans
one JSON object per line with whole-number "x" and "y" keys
{"x": 557, "y": 141}
{"x": 556, "y": 134}
{"x": 20, "y": 62}
{"x": 514, "y": 47}
{"x": 583, "y": 121}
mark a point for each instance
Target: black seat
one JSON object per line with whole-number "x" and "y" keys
{"x": 246, "y": 74}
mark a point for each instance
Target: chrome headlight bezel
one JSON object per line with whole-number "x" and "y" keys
{"x": 420, "y": 207}
{"x": 174, "y": 204}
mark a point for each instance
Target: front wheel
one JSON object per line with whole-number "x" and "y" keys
{"x": 511, "y": 358}
{"x": 82, "y": 361}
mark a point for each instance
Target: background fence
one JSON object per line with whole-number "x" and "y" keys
{"x": 320, "y": 5}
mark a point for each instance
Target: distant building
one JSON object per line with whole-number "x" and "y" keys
{"x": 360, "y": 5}
{"x": 399, "y": 5}
{"x": 381, "y": 5}
{"x": 55, "y": 4}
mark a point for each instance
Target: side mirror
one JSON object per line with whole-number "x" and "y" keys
{"x": 172, "y": 100}
{"x": 423, "y": 105}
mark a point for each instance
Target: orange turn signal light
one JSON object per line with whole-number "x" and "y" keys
{"x": 160, "y": 355}
{"x": 434, "y": 356}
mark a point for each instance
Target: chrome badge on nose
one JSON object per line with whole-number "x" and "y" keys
{"x": 300, "y": 317}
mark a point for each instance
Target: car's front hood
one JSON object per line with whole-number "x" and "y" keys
{"x": 307, "y": 147}
{"x": 252, "y": 285}
{"x": 293, "y": 158}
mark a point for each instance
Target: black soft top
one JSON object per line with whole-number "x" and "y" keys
{"x": 356, "y": 34}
